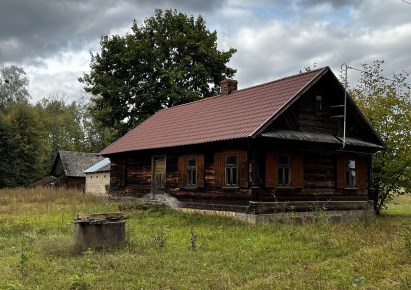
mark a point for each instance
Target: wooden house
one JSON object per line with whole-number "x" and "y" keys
{"x": 98, "y": 177}
{"x": 298, "y": 141}
{"x": 68, "y": 168}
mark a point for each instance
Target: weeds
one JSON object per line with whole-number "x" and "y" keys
{"x": 233, "y": 255}
{"x": 193, "y": 239}
{"x": 358, "y": 282}
{"x": 24, "y": 249}
{"x": 159, "y": 239}
{"x": 405, "y": 233}
{"x": 82, "y": 279}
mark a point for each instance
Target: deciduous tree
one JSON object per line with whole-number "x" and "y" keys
{"x": 14, "y": 85}
{"x": 26, "y": 146}
{"x": 169, "y": 60}
{"x": 387, "y": 104}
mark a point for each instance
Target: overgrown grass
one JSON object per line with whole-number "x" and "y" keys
{"x": 37, "y": 249}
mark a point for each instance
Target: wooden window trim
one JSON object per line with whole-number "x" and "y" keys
{"x": 220, "y": 169}
{"x": 233, "y": 182}
{"x": 360, "y": 172}
{"x": 284, "y": 167}
{"x": 271, "y": 170}
{"x": 188, "y": 168}
{"x": 182, "y": 171}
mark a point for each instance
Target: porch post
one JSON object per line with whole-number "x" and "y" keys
{"x": 254, "y": 175}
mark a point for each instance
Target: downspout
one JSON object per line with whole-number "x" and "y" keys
{"x": 345, "y": 67}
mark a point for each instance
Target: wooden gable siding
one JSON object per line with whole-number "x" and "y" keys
{"x": 316, "y": 122}
{"x": 57, "y": 169}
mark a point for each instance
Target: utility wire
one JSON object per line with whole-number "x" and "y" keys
{"x": 409, "y": 3}
{"x": 380, "y": 77}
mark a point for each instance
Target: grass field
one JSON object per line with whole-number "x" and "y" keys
{"x": 167, "y": 249}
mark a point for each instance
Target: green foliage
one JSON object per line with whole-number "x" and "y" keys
{"x": 13, "y": 86}
{"x": 387, "y": 105}
{"x": 82, "y": 279}
{"x": 25, "y": 143}
{"x": 169, "y": 60}
{"x": 193, "y": 239}
{"x": 5, "y": 150}
{"x": 64, "y": 125}
{"x": 30, "y": 136}
{"x": 405, "y": 232}
{"x": 229, "y": 254}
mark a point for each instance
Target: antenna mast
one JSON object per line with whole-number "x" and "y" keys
{"x": 345, "y": 68}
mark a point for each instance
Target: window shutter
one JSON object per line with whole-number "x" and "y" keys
{"x": 219, "y": 169}
{"x": 297, "y": 170}
{"x": 271, "y": 169}
{"x": 182, "y": 160}
{"x": 340, "y": 172}
{"x": 242, "y": 169}
{"x": 361, "y": 172}
{"x": 200, "y": 170}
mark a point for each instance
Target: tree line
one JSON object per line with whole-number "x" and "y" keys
{"x": 31, "y": 134}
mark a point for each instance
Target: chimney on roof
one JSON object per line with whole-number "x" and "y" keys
{"x": 228, "y": 86}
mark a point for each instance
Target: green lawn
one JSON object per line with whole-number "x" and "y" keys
{"x": 37, "y": 249}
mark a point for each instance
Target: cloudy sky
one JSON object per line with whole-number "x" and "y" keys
{"x": 52, "y": 39}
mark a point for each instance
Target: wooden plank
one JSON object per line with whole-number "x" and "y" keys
{"x": 108, "y": 216}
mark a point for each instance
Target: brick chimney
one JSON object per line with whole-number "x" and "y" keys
{"x": 228, "y": 86}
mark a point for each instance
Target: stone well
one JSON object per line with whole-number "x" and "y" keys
{"x": 99, "y": 231}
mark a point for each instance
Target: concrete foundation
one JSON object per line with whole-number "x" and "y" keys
{"x": 294, "y": 217}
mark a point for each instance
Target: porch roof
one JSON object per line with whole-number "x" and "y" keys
{"x": 319, "y": 138}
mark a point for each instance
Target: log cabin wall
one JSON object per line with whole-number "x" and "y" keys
{"x": 131, "y": 174}
{"x": 321, "y": 176}
{"x": 317, "y": 167}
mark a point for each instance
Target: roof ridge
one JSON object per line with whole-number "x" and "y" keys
{"x": 283, "y": 78}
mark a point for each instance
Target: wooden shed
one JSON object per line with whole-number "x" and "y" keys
{"x": 68, "y": 168}
{"x": 289, "y": 141}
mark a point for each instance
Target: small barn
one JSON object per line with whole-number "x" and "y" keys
{"x": 98, "y": 177}
{"x": 290, "y": 143}
{"x": 68, "y": 168}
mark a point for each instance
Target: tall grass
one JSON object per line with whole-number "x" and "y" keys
{"x": 226, "y": 253}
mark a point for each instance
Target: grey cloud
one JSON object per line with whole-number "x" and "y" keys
{"x": 332, "y": 3}
{"x": 31, "y": 29}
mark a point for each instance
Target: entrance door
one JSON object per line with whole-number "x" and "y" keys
{"x": 158, "y": 182}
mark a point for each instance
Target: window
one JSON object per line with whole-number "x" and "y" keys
{"x": 350, "y": 177}
{"x": 284, "y": 170}
{"x": 231, "y": 170}
{"x": 318, "y": 104}
{"x": 191, "y": 171}
{"x": 352, "y": 171}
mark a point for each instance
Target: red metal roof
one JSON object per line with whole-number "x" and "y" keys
{"x": 237, "y": 115}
